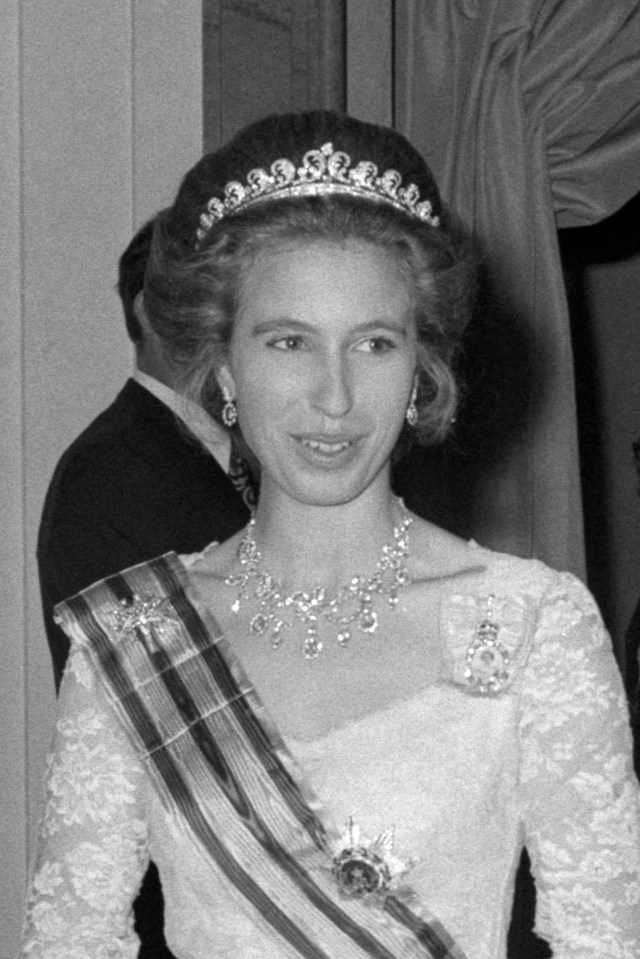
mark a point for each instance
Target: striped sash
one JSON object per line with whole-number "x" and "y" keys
{"x": 218, "y": 762}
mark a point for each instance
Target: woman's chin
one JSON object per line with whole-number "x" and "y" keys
{"x": 322, "y": 487}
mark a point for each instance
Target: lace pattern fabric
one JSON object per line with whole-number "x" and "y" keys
{"x": 93, "y": 838}
{"x": 579, "y": 793}
{"x": 547, "y": 759}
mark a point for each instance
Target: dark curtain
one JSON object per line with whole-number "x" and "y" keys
{"x": 529, "y": 114}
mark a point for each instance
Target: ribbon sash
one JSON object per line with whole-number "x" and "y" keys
{"x": 217, "y": 761}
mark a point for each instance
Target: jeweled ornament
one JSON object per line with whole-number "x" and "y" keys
{"x": 366, "y": 867}
{"x": 149, "y": 618}
{"x": 324, "y": 172}
{"x": 351, "y": 608}
{"x": 487, "y": 659}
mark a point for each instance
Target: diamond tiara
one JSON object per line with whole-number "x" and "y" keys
{"x": 324, "y": 172}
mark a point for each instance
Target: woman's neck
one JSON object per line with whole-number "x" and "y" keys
{"x": 304, "y": 546}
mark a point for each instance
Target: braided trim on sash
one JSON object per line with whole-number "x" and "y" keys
{"x": 218, "y": 762}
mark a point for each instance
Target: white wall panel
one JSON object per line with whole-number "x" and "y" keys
{"x": 100, "y": 105}
{"x": 76, "y": 198}
{"x": 12, "y": 688}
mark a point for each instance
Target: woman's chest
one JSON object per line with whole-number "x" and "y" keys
{"x": 308, "y": 697}
{"x": 440, "y": 768}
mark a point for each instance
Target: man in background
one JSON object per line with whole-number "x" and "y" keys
{"x": 151, "y": 473}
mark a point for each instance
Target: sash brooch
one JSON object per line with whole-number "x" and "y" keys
{"x": 368, "y": 868}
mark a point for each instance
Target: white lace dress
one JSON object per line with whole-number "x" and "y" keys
{"x": 465, "y": 778}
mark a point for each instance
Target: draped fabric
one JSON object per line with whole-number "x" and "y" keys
{"x": 221, "y": 768}
{"x": 528, "y": 112}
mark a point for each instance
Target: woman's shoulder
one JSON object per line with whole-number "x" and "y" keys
{"x": 439, "y": 554}
{"x": 209, "y": 569}
{"x": 495, "y": 607}
{"x": 191, "y": 560}
{"x": 214, "y": 558}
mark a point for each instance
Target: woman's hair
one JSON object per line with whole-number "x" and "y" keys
{"x": 198, "y": 263}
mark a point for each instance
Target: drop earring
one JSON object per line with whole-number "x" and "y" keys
{"x": 229, "y": 409}
{"x": 412, "y": 409}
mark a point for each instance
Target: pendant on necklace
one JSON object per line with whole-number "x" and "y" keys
{"x": 352, "y": 606}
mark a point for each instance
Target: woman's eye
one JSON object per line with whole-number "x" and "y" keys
{"x": 377, "y": 344}
{"x": 287, "y": 343}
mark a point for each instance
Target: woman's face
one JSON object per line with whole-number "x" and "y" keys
{"x": 321, "y": 364}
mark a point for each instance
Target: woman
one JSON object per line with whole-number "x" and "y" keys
{"x": 334, "y": 732}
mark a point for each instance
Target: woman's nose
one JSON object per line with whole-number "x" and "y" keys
{"x": 332, "y": 393}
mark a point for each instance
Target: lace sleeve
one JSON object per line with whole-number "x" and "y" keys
{"x": 581, "y": 803}
{"x": 92, "y": 848}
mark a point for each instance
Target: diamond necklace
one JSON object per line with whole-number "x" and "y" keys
{"x": 351, "y": 606}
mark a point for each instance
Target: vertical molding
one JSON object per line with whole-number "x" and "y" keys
{"x": 269, "y": 56}
{"x": 333, "y": 75}
{"x": 318, "y": 55}
{"x": 166, "y": 100}
{"x": 13, "y": 758}
{"x": 370, "y": 60}
{"x": 211, "y": 74}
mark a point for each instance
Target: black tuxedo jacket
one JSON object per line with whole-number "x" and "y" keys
{"x": 134, "y": 484}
